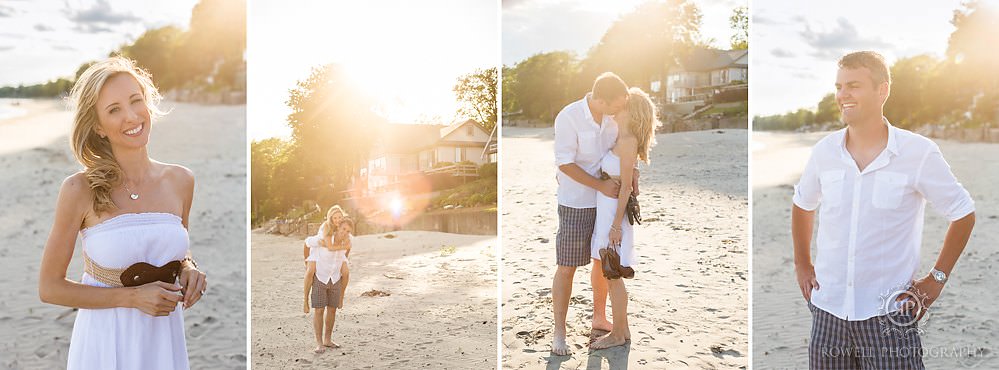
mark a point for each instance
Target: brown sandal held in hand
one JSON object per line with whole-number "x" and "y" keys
{"x": 609, "y": 263}
{"x": 626, "y": 272}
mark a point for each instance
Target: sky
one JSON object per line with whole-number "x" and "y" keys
{"x": 536, "y": 26}
{"x": 43, "y": 40}
{"x": 795, "y": 44}
{"x": 408, "y": 53}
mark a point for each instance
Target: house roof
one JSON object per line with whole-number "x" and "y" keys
{"x": 405, "y": 138}
{"x": 458, "y": 124}
{"x": 704, "y": 60}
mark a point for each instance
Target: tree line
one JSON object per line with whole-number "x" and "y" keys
{"x": 641, "y": 46}
{"x": 960, "y": 89}
{"x": 207, "y": 56}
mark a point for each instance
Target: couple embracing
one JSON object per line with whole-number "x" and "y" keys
{"x": 598, "y": 142}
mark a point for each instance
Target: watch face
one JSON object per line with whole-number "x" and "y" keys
{"x": 939, "y": 276}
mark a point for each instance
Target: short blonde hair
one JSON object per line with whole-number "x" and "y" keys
{"x": 91, "y": 150}
{"x": 643, "y": 122}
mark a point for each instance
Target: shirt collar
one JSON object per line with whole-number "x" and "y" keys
{"x": 892, "y": 141}
{"x": 892, "y": 138}
{"x": 586, "y": 109}
{"x": 879, "y": 162}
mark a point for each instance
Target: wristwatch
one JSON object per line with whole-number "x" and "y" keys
{"x": 939, "y": 276}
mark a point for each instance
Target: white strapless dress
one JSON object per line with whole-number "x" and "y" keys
{"x": 126, "y": 338}
{"x": 606, "y": 208}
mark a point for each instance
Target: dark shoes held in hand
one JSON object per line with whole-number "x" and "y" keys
{"x": 610, "y": 263}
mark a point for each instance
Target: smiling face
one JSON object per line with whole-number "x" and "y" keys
{"x": 346, "y": 228}
{"x": 336, "y": 217}
{"x": 859, "y": 97}
{"x": 122, "y": 113}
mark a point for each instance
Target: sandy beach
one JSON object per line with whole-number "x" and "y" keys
{"x": 960, "y": 330}
{"x": 21, "y": 132}
{"x": 439, "y": 311}
{"x": 689, "y": 296}
{"x": 35, "y": 158}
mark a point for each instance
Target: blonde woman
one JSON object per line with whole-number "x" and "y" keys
{"x": 636, "y": 136}
{"x": 131, "y": 213}
{"x": 333, "y": 217}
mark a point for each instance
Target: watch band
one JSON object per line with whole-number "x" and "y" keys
{"x": 937, "y": 274}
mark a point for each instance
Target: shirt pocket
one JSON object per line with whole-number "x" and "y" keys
{"x": 889, "y": 188}
{"x": 588, "y": 143}
{"x": 831, "y": 182}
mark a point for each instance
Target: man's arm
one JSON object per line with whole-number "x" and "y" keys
{"x": 957, "y": 237}
{"x": 607, "y": 187}
{"x": 938, "y": 185}
{"x": 928, "y": 288}
{"x": 802, "y": 224}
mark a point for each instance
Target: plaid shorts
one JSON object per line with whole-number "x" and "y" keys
{"x": 575, "y": 229}
{"x": 881, "y": 342}
{"x": 325, "y": 294}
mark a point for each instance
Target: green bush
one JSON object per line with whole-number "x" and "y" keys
{"x": 488, "y": 171}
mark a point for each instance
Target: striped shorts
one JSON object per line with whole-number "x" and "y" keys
{"x": 326, "y": 294}
{"x": 575, "y": 229}
{"x": 882, "y": 342}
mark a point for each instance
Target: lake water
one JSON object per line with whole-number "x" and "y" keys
{"x": 9, "y": 108}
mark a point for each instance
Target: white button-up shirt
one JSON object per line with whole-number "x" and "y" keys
{"x": 328, "y": 262}
{"x": 871, "y": 221}
{"x": 580, "y": 140}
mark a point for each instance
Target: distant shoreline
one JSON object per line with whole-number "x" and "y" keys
{"x": 40, "y": 122}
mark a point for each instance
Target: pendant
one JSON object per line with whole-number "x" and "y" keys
{"x": 134, "y": 196}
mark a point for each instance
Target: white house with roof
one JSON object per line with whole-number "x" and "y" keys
{"x": 702, "y": 74}
{"x": 406, "y": 150}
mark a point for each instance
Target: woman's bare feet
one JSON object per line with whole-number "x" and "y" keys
{"x": 331, "y": 344}
{"x": 602, "y": 324}
{"x": 607, "y": 341}
{"x": 559, "y": 347}
{"x": 319, "y": 349}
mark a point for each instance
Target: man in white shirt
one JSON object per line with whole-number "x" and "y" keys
{"x": 326, "y": 280}
{"x": 584, "y": 132}
{"x": 872, "y": 181}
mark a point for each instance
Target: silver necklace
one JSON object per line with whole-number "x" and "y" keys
{"x": 131, "y": 194}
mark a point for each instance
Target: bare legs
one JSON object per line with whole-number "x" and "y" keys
{"x": 344, "y": 278}
{"x": 325, "y": 317}
{"x": 561, "y": 291}
{"x": 620, "y": 332}
{"x": 330, "y": 320}
{"x": 317, "y": 326}
{"x": 599, "y": 285}
{"x": 310, "y": 271}
{"x": 322, "y": 323}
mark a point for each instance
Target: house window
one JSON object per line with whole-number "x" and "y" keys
{"x": 468, "y": 130}
{"x": 458, "y": 157}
